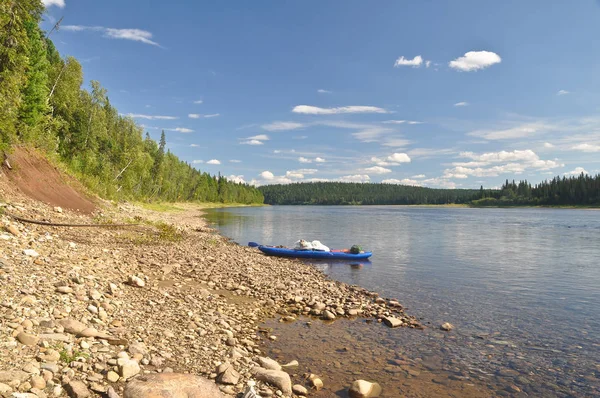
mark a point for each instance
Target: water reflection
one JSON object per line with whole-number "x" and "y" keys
{"x": 520, "y": 285}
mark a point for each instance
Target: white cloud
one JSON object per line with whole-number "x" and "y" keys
{"x": 377, "y": 170}
{"x": 419, "y": 176}
{"x": 475, "y": 60}
{"x": 260, "y": 137}
{"x": 302, "y": 159}
{"x": 197, "y": 161}
{"x": 393, "y": 160}
{"x": 563, "y": 92}
{"x": 267, "y": 175}
{"x": 405, "y": 181}
{"x": 415, "y": 62}
{"x": 130, "y": 34}
{"x": 430, "y": 152}
{"x": 396, "y": 142}
{"x": 213, "y": 161}
{"x": 394, "y": 122}
{"x": 314, "y": 110}
{"x": 355, "y": 178}
{"x": 150, "y": 117}
{"x": 587, "y": 147}
{"x": 461, "y": 104}
{"x": 515, "y": 162}
{"x": 548, "y": 145}
{"x": 521, "y": 131}
{"x": 427, "y": 64}
{"x": 414, "y": 122}
{"x": 212, "y": 115}
{"x": 252, "y": 142}
{"x": 194, "y": 116}
{"x": 194, "y": 145}
{"x": 576, "y": 172}
{"x": 181, "y": 130}
{"x": 237, "y": 179}
{"x": 198, "y": 102}
{"x": 440, "y": 182}
{"x": 305, "y": 171}
{"x": 50, "y": 3}
{"x": 319, "y": 160}
{"x": 282, "y": 126}
{"x": 321, "y": 91}
{"x": 140, "y": 35}
{"x": 235, "y": 161}
{"x": 294, "y": 174}
{"x": 255, "y": 140}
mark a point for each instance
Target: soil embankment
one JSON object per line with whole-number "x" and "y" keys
{"x": 33, "y": 175}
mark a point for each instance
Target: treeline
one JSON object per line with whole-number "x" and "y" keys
{"x": 42, "y": 104}
{"x": 582, "y": 190}
{"x": 343, "y": 193}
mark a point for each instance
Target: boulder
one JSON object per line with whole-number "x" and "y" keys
{"x": 364, "y": 389}
{"x": 392, "y": 322}
{"x": 171, "y": 385}
{"x": 128, "y": 367}
{"x": 276, "y": 378}
{"x": 299, "y": 390}
{"x": 7, "y": 376}
{"x": 227, "y": 375}
{"x": 447, "y": 326}
{"x": 72, "y": 326}
{"x": 77, "y": 389}
{"x": 27, "y": 339}
{"x": 268, "y": 363}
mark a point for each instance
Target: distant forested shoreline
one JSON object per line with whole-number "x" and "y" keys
{"x": 582, "y": 190}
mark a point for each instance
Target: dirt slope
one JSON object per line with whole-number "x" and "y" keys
{"x": 32, "y": 174}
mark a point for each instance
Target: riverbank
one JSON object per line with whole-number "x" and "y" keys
{"x": 99, "y": 306}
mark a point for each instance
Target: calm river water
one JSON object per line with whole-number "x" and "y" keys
{"x": 521, "y": 286}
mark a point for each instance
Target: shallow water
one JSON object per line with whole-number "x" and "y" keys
{"x": 521, "y": 286}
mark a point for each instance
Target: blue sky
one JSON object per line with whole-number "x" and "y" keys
{"x": 433, "y": 93}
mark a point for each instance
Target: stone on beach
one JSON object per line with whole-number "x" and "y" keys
{"x": 171, "y": 385}
{"x": 364, "y": 389}
{"x": 447, "y": 326}
{"x": 268, "y": 363}
{"x": 276, "y": 378}
{"x": 77, "y": 389}
{"x": 392, "y": 321}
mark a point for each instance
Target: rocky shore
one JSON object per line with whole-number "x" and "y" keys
{"x": 165, "y": 304}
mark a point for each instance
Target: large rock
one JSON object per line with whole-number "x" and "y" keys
{"x": 447, "y": 326}
{"x": 268, "y": 363}
{"x": 7, "y": 376}
{"x": 276, "y": 378}
{"x": 171, "y": 385}
{"x": 27, "y": 339}
{"x": 364, "y": 389}
{"x": 227, "y": 375}
{"x": 392, "y": 321}
{"x": 72, "y": 326}
{"x": 77, "y": 389}
{"x": 128, "y": 367}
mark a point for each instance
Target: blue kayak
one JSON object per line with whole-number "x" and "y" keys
{"x": 332, "y": 255}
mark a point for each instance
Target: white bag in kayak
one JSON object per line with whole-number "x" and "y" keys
{"x": 303, "y": 245}
{"x": 316, "y": 245}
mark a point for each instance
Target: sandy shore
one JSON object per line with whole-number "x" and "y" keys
{"x": 102, "y": 306}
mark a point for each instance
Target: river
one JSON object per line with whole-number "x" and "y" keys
{"x": 521, "y": 286}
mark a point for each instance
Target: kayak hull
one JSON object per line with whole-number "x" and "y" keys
{"x": 332, "y": 255}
